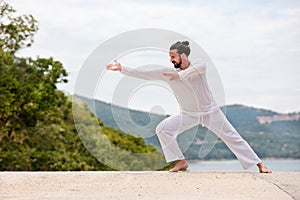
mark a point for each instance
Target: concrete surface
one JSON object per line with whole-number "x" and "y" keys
{"x": 150, "y": 185}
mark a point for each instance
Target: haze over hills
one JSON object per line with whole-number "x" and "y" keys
{"x": 270, "y": 134}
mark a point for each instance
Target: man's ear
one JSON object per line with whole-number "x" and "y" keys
{"x": 183, "y": 56}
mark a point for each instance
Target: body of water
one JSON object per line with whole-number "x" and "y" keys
{"x": 274, "y": 165}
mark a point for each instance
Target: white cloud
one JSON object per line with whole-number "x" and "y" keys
{"x": 254, "y": 44}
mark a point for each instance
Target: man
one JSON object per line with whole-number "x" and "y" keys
{"x": 197, "y": 106}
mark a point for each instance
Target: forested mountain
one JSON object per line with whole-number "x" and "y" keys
{"x": 278, "y": 139}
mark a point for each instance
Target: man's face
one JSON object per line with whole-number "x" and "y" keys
{"x": 175, "y": 58}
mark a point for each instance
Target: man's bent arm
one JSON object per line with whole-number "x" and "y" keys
{"x": 195, "y": 68}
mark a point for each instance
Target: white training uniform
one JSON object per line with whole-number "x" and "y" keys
{"x": 197, "y": 106}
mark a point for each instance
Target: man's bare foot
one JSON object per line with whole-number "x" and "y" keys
{"x": 262, "y": 168}
{"x": 181, "y": 165}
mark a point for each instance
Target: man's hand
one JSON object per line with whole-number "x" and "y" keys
{"x": 172, "y": 75}
{"x": 115, "y": 66}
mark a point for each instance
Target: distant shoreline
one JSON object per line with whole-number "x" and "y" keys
{"x": 267, "y": 158}
{"x": 276, "y": 165}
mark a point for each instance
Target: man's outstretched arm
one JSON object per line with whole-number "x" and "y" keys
{"x": 144, "y": 72}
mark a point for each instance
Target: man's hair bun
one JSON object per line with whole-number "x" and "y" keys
{"x": 186, "y": 43}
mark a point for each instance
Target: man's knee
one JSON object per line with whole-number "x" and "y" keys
{"x": 162, "y": 131}
{"x": 159, "y": 128}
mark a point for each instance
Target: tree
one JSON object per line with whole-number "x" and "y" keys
{"x": 29, "y": 98}
{"x": 15, "y": 32}
{"x": 37, "y": 130}
{"x": 27, "y": 86}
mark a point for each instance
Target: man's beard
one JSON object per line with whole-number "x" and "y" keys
{"x": 177, "y": 65}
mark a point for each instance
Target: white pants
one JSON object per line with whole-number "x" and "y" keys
{"x": 168, "y": 130}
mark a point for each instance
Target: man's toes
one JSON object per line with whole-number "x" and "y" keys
{"x": 265, "y": 170}
{"x": 173, "y": 170}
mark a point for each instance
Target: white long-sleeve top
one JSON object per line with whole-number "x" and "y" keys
{"x": 191, "y": 89}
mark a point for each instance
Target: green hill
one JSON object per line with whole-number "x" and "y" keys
{"x": 278, "y": 139}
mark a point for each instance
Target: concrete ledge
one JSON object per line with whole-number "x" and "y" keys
{"x": 150, "y": 185}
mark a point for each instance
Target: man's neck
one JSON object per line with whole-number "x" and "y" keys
{"x": 185, "y": 65}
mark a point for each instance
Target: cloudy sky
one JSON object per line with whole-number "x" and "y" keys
{"x": 254, "y": 44}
